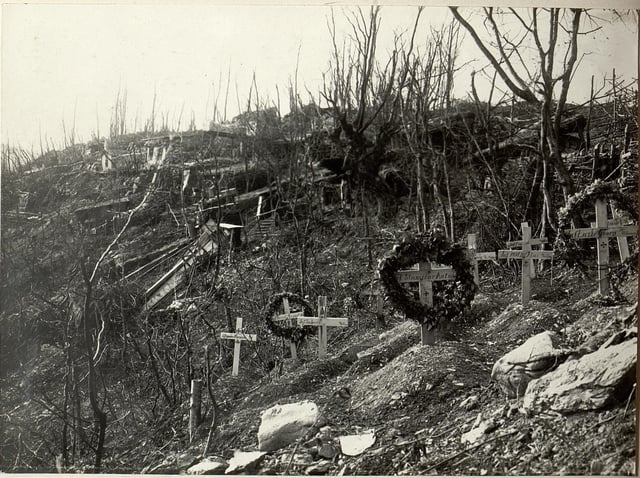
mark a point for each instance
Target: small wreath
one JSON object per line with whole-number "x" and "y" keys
{"x": 295, "y": 334}
{"x": 567, "y": 248}
{"x": 451, "y": 298}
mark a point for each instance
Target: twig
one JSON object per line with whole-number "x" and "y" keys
{"x": 456, "y": 455}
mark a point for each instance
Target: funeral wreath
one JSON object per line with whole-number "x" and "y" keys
{"x": 450, "y": 300}
{"x": 566, "y": 247}
{"x": 295, "y": 334}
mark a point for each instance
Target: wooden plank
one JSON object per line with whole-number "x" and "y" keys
{"x": 526, "y": 264}
{"x": 540, "y": 255}
{"x": 603, "y": 248}
{"x": 486, "y": 256}
{"x": 510, "y": 254}
{"x": 238, "y": 336}
{"x": 329, "y": 321}
{"x": 533, "y": 242}
{"x": 596, "y": 233}
{"x": 406, "y": 276}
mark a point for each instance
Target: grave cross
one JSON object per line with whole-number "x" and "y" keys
{"x": 475, "y": 257}
{"x": 322, "y": 321}
{"x": 374, "y": 292}
{"x": 238, "y": 336}
{"x": 602, "y": 232}
{"x": 526, "y": 255}
{"x": 533, "y": 242}
{"x": 425, "y": 277}
{"x": 289, "y": 318}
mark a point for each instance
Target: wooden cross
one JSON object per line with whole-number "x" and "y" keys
{"x": 602, "y": 232}
{"x": 475, "y": 257}
{"x": 425, "y": 277}
{"x": 526, "y": 255}
{"x": 623, "y": 245}
{"x": 375, "y": 292}
{"x": 289, "y": 318}
{"x": 322, "y": 321}
{"x": 533, "y": 242}
{"x": 238, "y": 336}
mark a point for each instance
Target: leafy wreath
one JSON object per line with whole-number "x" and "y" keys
{"x": 567, "y": 248}
{"x": 451, "y": 300}
{"x": 295, "y": 334}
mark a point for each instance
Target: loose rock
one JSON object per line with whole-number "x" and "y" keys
{"x": 284, "y": 424}
{"x": 208, "y": 467}
{"x": 244, "y": 461}
{"x": 537, "y": 356}
{"x": 589, "y": 383}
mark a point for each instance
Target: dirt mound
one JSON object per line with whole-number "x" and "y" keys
{"x": 419, "y": 371}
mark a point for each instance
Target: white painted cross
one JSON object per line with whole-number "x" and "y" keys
{"x": 475, "y": 257}
{"x": 238, "y": 336}
{"x": 289, "y": 318}
{"x": 602, "y": 232}
{"x": 526, "y": 255}
{"x": 322, "y": 321}
{"x": 425, "y": 276}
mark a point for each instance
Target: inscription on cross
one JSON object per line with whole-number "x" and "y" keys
{"x": 602, "y": 232}
{"x": 322, "y": 321}
{"x": 526, "y": 255}
{"x": 238, "y": 336}
{"x": 289, "y": 318}
{"x": 425, "y": 276}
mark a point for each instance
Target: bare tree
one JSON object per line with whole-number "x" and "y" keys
{"x": 544, "y": 83}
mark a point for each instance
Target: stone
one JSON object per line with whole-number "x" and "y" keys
{"x": 353, "y": 445}
{"x": 208, "y": 467}
{"x": 244, "y": 461}
{"x": 319, "y": 468}
{"x": 589, "y": 383}
{"x": 538, "y": 355}
{"x": 479, "y": 429}
{"x": 327, "y": 451}
{"x": 284, "y": 424}
{"x": 469, "y": 403}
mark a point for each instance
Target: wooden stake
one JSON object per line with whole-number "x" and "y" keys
{"x": 526, "y": 264}
{"x": 195, "y": 408}
{"x": 603, "y": 248}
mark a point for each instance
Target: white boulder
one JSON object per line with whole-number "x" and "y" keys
{"x": 538, "y": 355}
{"x": 588, "y": 383}
{"x": 284, "y": 424}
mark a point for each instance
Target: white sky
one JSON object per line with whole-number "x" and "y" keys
{"x": 57, "y": 58}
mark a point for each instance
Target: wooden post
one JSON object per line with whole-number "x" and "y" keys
{"x": 238, "y": 336}
{"x": 288, "y": 317}
{"x": 322, "y": 327}
{"x": 526, "y": 264}
{"x": 472, "y": 247}
{"x": 195, "y": 408}
{"x": 603, "y": 248}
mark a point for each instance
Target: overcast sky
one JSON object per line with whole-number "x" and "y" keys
{"x": 57, "y": 59}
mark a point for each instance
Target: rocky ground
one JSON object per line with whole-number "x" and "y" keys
{"x": 435, "y": 409}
